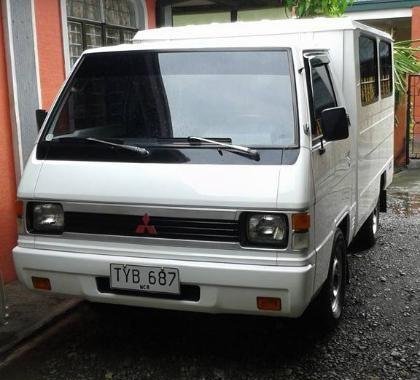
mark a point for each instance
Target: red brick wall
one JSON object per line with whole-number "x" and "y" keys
{"x": 50, "y": 45}
{"x": 50, "y": 49}
{"x": 8, "y": 232}
{"x": 415, "y": 82}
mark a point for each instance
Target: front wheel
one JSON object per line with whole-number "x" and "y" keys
{"x": 329, "y": 305}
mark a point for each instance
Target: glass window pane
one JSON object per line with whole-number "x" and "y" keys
{"x": 182, "y": 19}
{"x": 93, "y": 36}
{"x": 323, "y": 95}
{"x": 112, "y": 36}
{"x": 120, "y": 12}
{"x": 368, "y": 70}
{"x": 75, "y": 41}
{"x": 128, "y": 36}
{"x": 86, "y": 9}
{"x": 386, "y": 68}
{"x": 262, "y": 14}
{"x": 141, "y": 96}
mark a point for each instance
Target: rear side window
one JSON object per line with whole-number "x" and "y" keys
{"x": 385, "y": 59}
{"x": 323, "y": 96}
{"x": 368, "y": 58}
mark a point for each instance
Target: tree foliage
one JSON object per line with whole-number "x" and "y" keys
{"x": 308, "y": 8}
{"x": 405, "y": 63}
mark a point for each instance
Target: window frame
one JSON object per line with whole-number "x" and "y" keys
{"x": 102, "y": 24}
{"x": 377, "y": 75}
{"x": 103, "y": 16}
{"x": 389, "y": 43}
{"x": 65, "y": 91}
{"x": 325, "y": 61}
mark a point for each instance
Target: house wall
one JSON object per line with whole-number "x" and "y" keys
{"x": 22, "y": 76}
{"x": 7, "y": 173}
{"x": 51, "y": 66}
{"x": 33, "y": 36}
{"x": 151, "y": 13}
{"x": 415, "y": 82}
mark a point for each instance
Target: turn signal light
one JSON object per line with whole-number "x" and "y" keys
{"x": 41, "y": 283}
{"x": 301, "y": 222}
{"x": 269, "y": 303}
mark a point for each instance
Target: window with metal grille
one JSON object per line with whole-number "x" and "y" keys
{"x": 385, "y": 59}
{"x": 368, "y": 59}
{"x": 94, "y": 23}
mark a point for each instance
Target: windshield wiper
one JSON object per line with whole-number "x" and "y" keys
{"x": 248, "y": 152}
{"x": 142, "y": 151}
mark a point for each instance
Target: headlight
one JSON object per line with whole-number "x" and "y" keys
{"x": 267, "y": 229}
{"x": 46, "y": 218}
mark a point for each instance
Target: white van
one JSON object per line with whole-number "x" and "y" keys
{"x": 218, "y": 168}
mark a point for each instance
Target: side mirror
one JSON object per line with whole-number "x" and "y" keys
{"x": 40, "y": 117}
{"x": 334, "y": 124}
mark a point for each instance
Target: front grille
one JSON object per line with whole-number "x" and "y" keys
{"x": 187, "y": 292}
{"x": 156, "y": 227}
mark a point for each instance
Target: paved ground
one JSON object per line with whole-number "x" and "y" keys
{"x": 378, "y": 338}
{"x": 28, "y": 311}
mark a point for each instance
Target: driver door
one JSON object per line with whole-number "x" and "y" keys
{"x": 330, "y": 162}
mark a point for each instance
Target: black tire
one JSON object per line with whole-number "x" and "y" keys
{"x": 330, "y": 302}
{"x": 366, "y": 238}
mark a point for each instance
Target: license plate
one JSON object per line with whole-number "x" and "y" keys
{"x": 145, "y": 279}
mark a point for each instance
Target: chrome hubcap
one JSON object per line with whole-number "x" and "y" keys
{"x": 337, "y": 275}
{"x": 375, "y": 221}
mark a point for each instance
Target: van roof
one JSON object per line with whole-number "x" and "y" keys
{"x": 255, "y": 28}
{"x": 227, "y": 34}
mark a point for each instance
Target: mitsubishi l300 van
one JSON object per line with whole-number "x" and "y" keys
{"x": 217, "y": 168}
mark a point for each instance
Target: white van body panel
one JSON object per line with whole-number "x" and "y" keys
{"x": 339, "y": 187}
{"x": 161, "y": 184}
{"x": 224, "y": 288}
{"x": 249, "y": 187}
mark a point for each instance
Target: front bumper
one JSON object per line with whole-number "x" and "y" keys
{"x": 224, "y": 287}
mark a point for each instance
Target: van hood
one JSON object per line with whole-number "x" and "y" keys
{"x": 236, "y": 186}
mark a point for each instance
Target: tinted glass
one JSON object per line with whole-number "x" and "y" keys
{"x": 385, "y": 55}
{"x": 368, "y": 70}
{"x": 323, "y": 95}
{"x": 141, "y": 97}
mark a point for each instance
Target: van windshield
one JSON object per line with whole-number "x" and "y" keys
{"x": 149, "y": 98}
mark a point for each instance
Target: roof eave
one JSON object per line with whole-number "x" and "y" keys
{"x": 382, "y": 5}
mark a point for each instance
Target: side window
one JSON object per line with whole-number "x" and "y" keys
{"x": 368, "y": 60}
{"x": 385, "y": 59}
{"x": 323, "y": 96}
